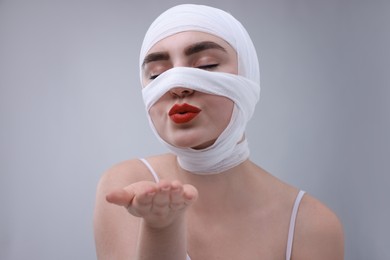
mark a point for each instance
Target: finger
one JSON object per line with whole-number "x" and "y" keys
{"x": 142, "y": 201}
{"x": 121, "y": 197}
{"x": 176, "y": 196}
{"x": 160, "y": 205}
{"x": 162, "y": 196}
{"x": 190, "y": 193}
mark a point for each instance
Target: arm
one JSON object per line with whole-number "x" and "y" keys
{"x": 152, "y": 227}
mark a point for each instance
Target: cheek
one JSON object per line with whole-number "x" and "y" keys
{"x": 228, "y": 108}
{"x": 156, "y": 114}
{"x": 159, "y": 107}
{"x": 221, "y": 110}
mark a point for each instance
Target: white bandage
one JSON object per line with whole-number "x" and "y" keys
{"x": 230, "y": 149}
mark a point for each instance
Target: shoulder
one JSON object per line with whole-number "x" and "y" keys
{"x": 123, "y": 174}
{"x": 130, "y": 171}
{"x": 318, "y": 232}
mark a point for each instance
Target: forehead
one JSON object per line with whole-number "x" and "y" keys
{"x": 181, "y": 40}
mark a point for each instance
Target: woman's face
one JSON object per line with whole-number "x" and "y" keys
{"x": 204, "y": 117}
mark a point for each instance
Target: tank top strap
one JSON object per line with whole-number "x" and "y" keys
{"x": 152, "y": 171}
{"x": 291, "y": 229}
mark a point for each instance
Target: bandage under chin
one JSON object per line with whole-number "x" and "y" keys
{"x": 231, "y": 147}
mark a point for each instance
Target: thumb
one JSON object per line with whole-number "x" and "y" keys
{"x": 120, "y": 197}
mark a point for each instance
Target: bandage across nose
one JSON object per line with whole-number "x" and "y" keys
{"x": 230, "y": 148}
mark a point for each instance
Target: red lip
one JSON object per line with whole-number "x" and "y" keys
{"x": 183, "y": 113}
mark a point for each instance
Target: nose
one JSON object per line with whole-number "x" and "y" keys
{"x": 181, "y": 92}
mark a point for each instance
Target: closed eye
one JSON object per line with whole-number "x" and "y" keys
{"x": 203, "y": 67}
{"x": 154, "y": 76}
{"x": 208, "y": 66}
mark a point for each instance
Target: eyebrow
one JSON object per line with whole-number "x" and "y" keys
{"x": 202, "y": 46}
{"x": 155, "y": 56}
{"x": 190, "y": 50}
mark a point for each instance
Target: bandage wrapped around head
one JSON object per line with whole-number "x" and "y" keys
{"x": 231, "y": 147}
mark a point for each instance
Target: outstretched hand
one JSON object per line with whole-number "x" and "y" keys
{"x": 159, "y": 204}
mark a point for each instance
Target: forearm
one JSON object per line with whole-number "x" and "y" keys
{"x": 163, "y": 243}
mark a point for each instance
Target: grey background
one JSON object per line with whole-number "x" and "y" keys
{"x": 70, "y": 107}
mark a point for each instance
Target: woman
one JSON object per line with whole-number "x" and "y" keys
{"x": 206, "y": 199}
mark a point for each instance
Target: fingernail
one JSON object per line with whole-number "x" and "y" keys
{"x": 175, "y": 189}
{"x": 151, "y": 193}
{"x": 165, "y": 188}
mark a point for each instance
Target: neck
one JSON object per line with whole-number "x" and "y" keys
{"x": 226, "y": 191}
{"x": 216, "y": 159}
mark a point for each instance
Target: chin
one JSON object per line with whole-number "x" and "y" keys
{"x": 187, "y": 143}
{"x": 190, "y": 138}
{"x": 204, "y": 145}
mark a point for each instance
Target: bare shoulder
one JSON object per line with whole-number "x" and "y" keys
{"x": 130, "y": 171}
{"x": 318, "y": 232}
{"x": 123, "y": 174}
